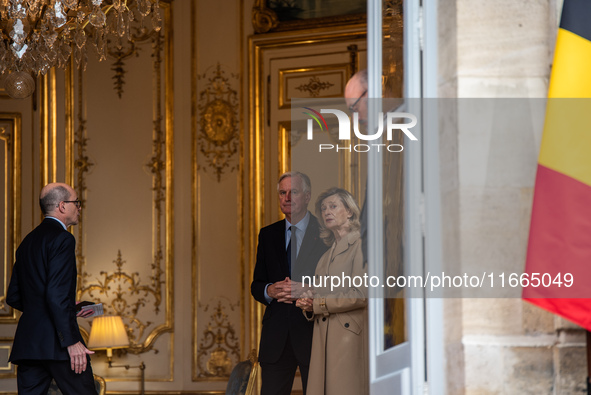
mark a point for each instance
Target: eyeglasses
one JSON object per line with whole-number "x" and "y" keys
{"x": 354, "y": 105}
{"x": 77, "y": 202}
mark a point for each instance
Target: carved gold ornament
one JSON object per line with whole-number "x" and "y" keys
{"x": 218, "y": 109}
{"x": 218, "y": 122}
{"x": 120, "y": 51}
{"x": 119, "y": 66}
{"x": 263, "y": 19}
{"x": 219, "y": 348}
{"x": 314, "y": 86}
{"x": 125, "y": 295}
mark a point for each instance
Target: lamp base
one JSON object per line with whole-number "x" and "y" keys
{"x": 141, "y": 367}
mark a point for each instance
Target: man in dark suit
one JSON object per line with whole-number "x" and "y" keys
{"x": 287, "y": 250}
{"x": 47, "y": 343}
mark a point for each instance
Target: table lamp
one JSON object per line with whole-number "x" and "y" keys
{"x": 107, "y": 333}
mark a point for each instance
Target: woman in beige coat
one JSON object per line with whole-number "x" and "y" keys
{"x": 338, "y": 303}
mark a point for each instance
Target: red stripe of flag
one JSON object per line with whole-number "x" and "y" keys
{"x": 560, "y": 246}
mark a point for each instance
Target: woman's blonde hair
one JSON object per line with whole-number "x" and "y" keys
{"x": 350, "y": 204}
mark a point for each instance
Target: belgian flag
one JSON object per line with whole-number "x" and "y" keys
{"x": 559, "y": 248}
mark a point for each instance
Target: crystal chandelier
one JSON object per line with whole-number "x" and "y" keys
{"x": 40, "y": 34}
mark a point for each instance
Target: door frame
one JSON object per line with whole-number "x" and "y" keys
{"x": 261, "y": 192}
{"x": 416, "y": 366}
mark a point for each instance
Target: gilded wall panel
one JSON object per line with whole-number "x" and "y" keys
{"x": 10, "y": 200}
{"x": 122, "y": 157}
{"x": 217, "y": 217}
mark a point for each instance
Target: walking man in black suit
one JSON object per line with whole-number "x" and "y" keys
{"x": 287, "y": 250}
{"x": 47, "y": 343}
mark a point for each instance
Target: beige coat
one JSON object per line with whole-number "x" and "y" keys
{"x": 339, "y": 362}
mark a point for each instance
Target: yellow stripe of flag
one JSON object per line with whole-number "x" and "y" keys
{"x": 571, "y": 76}
{"x": 566, "y": 142}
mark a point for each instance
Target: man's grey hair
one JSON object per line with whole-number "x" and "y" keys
{"x": 307, "y": 186}
{"x": 52, "y": 198}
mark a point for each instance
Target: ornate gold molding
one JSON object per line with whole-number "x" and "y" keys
{"x": 314, "y": 86}
{"x": 284, "y": 148}
{"x": 218, "y": 109}
{"x": 48, "y": 127}
{"x": 69, "y": 117}
{"x": 219, "y": 348}
{"x": 10, "y": 144}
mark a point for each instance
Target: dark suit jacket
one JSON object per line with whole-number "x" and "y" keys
{"x": 282, "y": 319}
{"x": 43, "y": 287}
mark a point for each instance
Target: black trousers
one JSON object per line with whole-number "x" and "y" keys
{"x": 277, "y": 377}
{"x": 34, "y": 377}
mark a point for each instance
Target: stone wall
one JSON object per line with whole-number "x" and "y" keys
{"x": 503, "y": 49}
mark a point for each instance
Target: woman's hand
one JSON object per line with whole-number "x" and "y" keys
{"x": 305, "y": 304}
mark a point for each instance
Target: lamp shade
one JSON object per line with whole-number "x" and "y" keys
{"x": 107, "y": 332}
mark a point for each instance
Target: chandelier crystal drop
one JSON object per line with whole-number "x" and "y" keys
{"x": 40, "y": 34}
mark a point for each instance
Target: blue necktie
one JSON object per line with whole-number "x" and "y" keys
{"x": 288, "y": 251}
